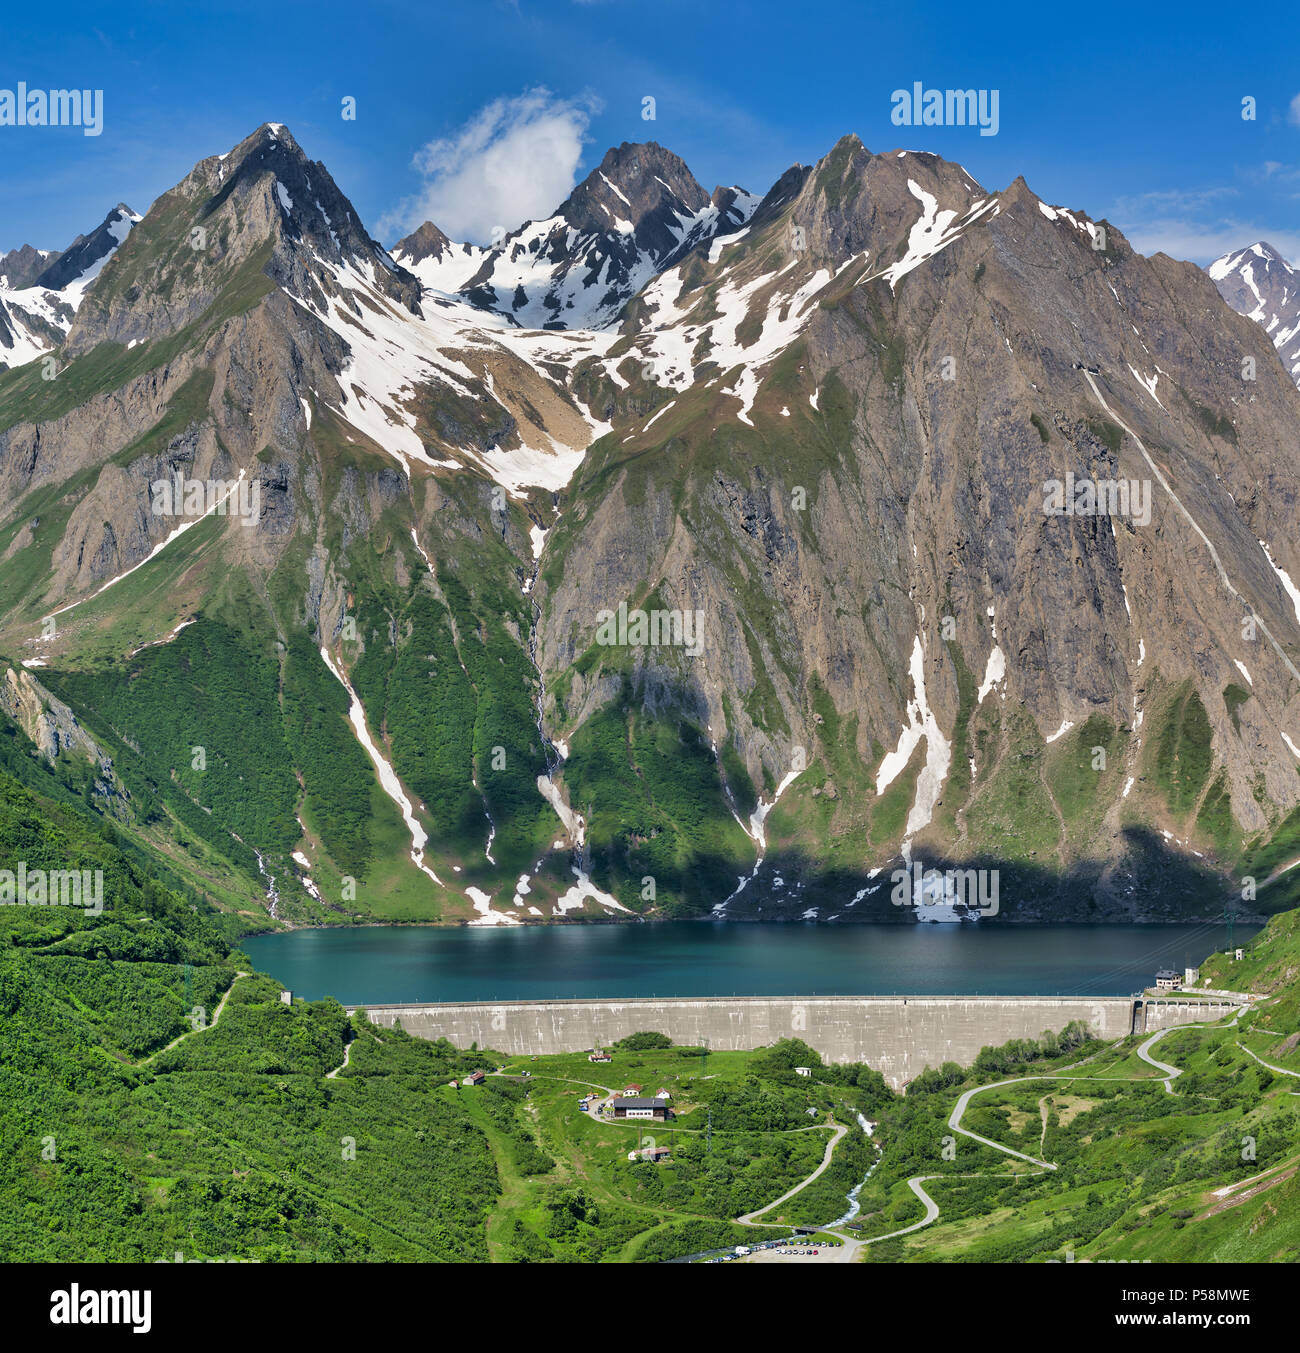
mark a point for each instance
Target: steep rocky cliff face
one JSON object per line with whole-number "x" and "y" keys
{"x": 682, "y": 554}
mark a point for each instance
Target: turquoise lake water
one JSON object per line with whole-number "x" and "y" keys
{"x": 390, "y": 964}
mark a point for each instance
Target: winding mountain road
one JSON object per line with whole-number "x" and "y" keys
{"x": 347, "y": 1055}
{"x": 1281, "y": 1070}
{"x": 954, "y": 1119}
{"x": 216, "y": 1015}
{"x": 751, "y": 1218}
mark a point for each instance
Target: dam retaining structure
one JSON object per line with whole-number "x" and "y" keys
{"x": 897, "y": 1035}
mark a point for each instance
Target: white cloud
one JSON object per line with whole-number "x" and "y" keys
{"x": 1293, "y": 113}
{"x": 1193, "y": 224}
{"x": 514, "y": 160}
{"x": 1202, "y": 243}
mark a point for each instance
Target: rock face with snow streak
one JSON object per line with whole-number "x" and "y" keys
{"x": 807, "y": 438}
{"x": 1260, "y": 284}
{"x": 40, "y": 290}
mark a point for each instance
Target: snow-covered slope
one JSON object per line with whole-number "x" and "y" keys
{"x": 440, "y": 264}
{"x": 635, "y": 215}
{"x": 1260, "y": 284}
{"x": 34, "y": 318}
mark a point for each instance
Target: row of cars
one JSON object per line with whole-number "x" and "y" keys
{"x": 782, "y": 1247}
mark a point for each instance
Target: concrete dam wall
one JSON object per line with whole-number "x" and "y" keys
{"x": 897, "y": 1035}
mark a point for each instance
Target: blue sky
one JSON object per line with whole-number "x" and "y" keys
{"x": 486, "y": 110}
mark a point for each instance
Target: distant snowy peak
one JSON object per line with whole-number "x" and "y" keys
{"x": 35, "y": 316}
{"x": 1260, "y": 284}
{"x": 1259, "y": 263}
{"x": 439, "y": 263}
{"x": 637, "y": 213}
{"x": 81, "y": 262}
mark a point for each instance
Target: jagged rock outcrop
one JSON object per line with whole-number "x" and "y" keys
{"x": 56, "y": 730}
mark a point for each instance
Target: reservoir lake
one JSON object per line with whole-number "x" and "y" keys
{"x": 388, "y": 965}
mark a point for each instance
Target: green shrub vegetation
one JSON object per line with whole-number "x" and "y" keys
{"x": 156, "y": 1096}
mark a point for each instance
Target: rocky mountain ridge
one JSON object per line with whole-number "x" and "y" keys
{"x": 40, "y": 290}
{"x": 842, "y": 448}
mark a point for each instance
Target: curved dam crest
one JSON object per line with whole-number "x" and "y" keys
{"x": 899, "y": 1036}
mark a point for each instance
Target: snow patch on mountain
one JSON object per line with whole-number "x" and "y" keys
{"x": 681, "y": 342}
{"x": 585, "y": 890}
{"x": 921, "y": 723}
{"x": 448, "y": 272}
{"x": 1284, "y": 577}
{"x": 388, "y": 780}
{"x": 994, "y": 671}
{"x": 1148, "y": 383}
{"x": 933, "y": 231}
{"x": 486, "y": 916}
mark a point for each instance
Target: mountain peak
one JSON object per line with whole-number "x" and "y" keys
{"x": 273, "y": 133}
{"x": 1258, "y": 282}
{"x": 426, "y": 241}
{"x": 638, "y": 212}
{"x": 1260, "y": 251}
{"x": 1262, "y": 248}
{"x": 264, "y": 193}
{"x": 439, "y": 262}
{"x": 632, "y": 190}
{"x": 265, "y": 146}
{"x": 82, "y": 260}
{"x": 22, "y": 266}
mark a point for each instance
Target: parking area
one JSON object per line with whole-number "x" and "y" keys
{"x": 802, "y": 1254}
{"x": 796, "y": 1251}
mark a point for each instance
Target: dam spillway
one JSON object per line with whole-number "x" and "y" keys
{"x": 897, "y": 1035}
